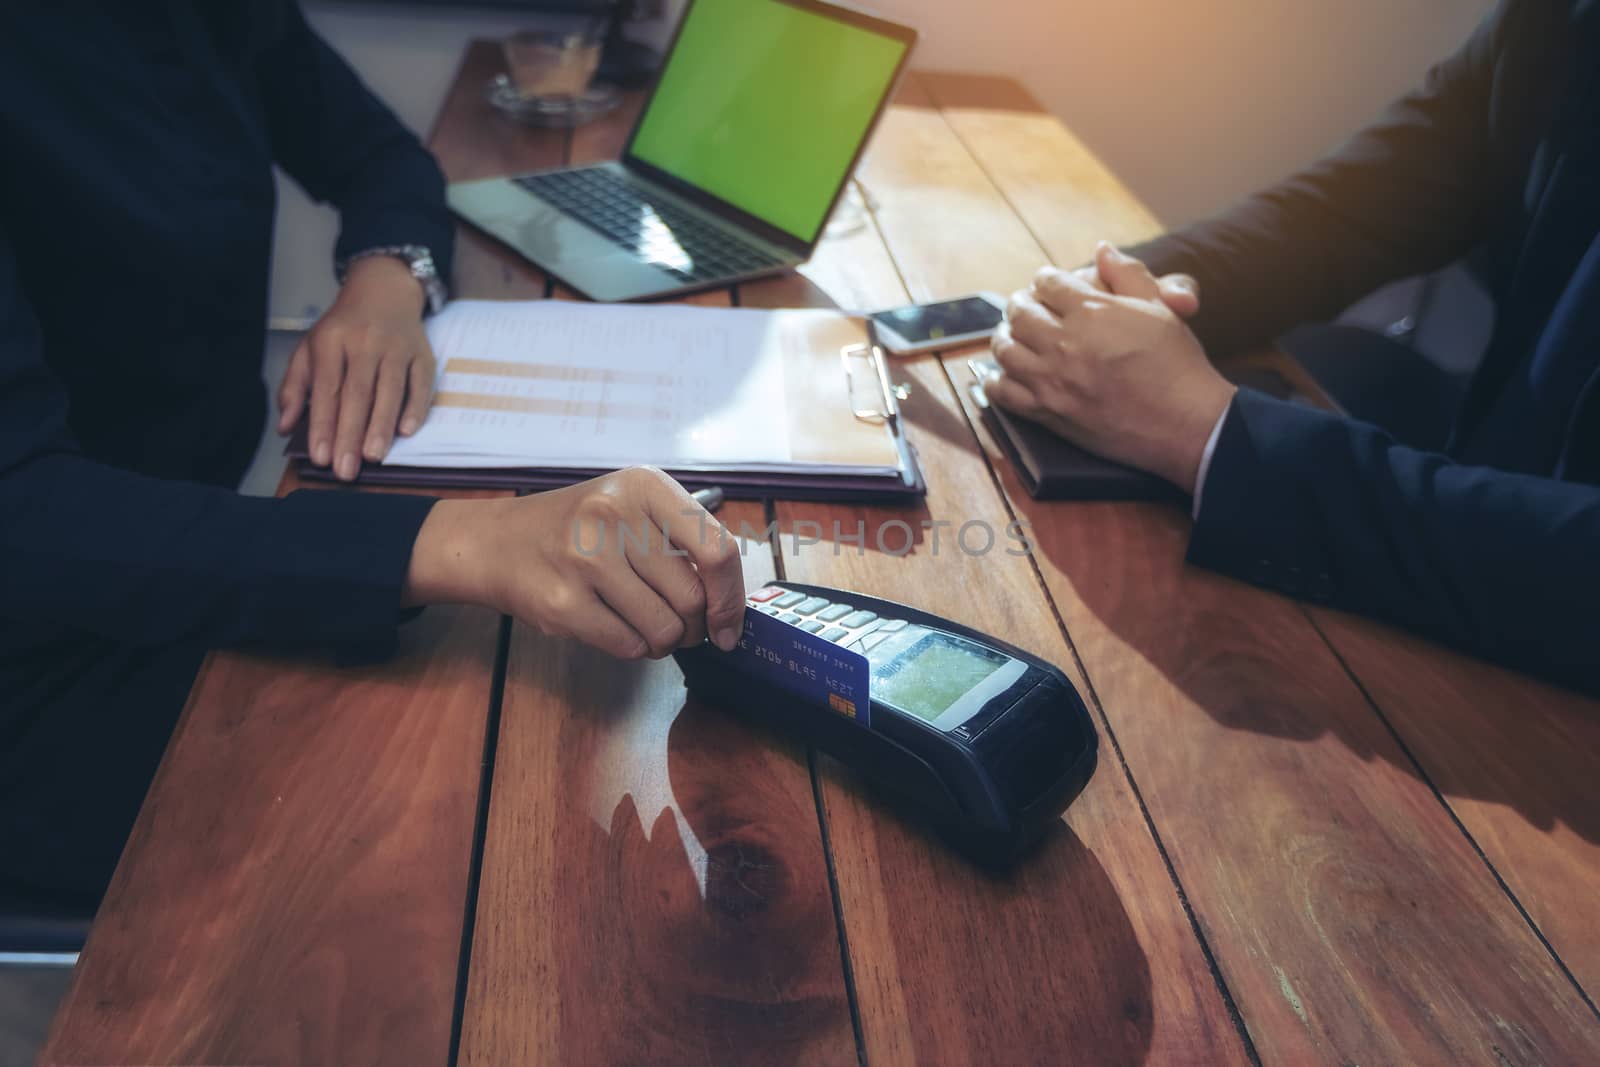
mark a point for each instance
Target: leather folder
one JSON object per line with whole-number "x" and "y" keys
{"x": 1052, "y": 468}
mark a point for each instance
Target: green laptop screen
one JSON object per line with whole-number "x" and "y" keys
{"x": 763, "y": 105}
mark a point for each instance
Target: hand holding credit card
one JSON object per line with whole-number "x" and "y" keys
{"x": 818, "y": 671}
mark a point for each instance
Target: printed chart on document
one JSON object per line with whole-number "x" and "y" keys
{"x": 553, "y": 383}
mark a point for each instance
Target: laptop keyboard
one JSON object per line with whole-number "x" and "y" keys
{"x": 658, "y": 232}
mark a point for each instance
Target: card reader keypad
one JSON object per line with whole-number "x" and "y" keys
{"x": 858, "y": 630}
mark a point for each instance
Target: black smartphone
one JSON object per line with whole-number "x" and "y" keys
{"x": 945, "y": 324}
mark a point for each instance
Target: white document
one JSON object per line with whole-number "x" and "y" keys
{"x": 561, "y": 384}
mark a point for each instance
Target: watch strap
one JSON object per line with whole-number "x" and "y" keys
{"x": 418, "y": 260}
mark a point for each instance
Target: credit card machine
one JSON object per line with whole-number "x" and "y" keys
{"x": 975, "y": 737}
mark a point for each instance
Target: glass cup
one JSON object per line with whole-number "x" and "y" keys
{"x": 556, "y": 63}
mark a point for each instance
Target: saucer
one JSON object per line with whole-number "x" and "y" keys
{"x": 552, "y": 110}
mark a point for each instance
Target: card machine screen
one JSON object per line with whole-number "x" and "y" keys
{"x": 935, "y": 674}
{"x": 940, "y": 678}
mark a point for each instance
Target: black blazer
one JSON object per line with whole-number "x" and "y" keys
{"x": 136, "y": 214}
{"x": 1493, "y": 547}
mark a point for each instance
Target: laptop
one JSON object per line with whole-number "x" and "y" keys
{"x": 737, "y": 159}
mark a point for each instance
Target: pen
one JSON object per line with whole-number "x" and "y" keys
{"x": 710, "y": 499}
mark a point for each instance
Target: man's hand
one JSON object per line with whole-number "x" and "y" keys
{"x": 1180, "y": 292}
{"x": 366, "y": 365}
{"x": 1108, "y": 364}
{"x": 629, "y": 563}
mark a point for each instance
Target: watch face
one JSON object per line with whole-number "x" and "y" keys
{"x": 422, "y": 263}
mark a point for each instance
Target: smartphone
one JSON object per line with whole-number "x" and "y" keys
{"x": 946, "y": 324}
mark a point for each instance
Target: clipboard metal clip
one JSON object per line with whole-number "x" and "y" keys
{"x": 885, "y": 398}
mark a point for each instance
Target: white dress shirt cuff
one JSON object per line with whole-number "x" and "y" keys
{"x": 1205, "y": 461}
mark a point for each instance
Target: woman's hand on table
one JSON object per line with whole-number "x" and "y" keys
{"x": 1102, "y": 357}
{"x": 629, "y": 563}
{"x": 365, "y": 368}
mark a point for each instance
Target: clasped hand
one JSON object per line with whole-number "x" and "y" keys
{"x": 1102, "y": 356}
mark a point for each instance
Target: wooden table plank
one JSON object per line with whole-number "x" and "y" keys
{"x": 307, "y": 839}
{"x": 1378, "y": 935}
{"x": 925, "y": 929}
{"x": 948, "y": 234}
{"x": 851, "y": 268}
{"x": 604, "y": 138}
{"x": 1058, "y": 188}
{"x": 646, "y": 850}
{"x": 1350, "y": 919}
{"x": 653, "y": 887}
{"x": 1515, "y": 759}
{"x": 1052, "y": 186}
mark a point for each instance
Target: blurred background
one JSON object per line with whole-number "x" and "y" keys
{"x": 1192, "y": 105}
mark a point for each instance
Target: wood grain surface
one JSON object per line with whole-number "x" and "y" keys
{"x": 1350, "y": 918}
{"x": 1515, "y": 760}
{"x": 1057, "y": 188}
{"x": 930, "y": 197}
{"x": 1084, "y": 954}
{"x": 1310, "y": 840}
{"x": 306, "y": 841}
{"x": 653, "y": 887}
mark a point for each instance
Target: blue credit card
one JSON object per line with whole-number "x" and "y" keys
{"x": 815, "y": 670}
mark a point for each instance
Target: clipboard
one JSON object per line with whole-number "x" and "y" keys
{"x": 839, "y": 398}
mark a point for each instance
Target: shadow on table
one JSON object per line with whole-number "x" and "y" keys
{"x": 1037, "y": 964}
{"x": 926, "y": 414}
{"x": 1043, "y": 957}
{"x": 1229, "y": 648}
{"x": 706, "y": 932}
{"x": 923, "y": 408}
{"x": 709, "y": 919}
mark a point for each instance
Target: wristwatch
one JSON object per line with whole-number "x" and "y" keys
{"x": 417, "y": 259}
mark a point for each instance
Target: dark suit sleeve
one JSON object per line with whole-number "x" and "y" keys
{"x": 1410, "y": 193}
{"x": 344, "y": 147}
{"x": 145, "y": 561}
{"x": 1499, "y": 565}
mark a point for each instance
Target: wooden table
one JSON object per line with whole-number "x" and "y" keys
{"x": 1311, "y": 839}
